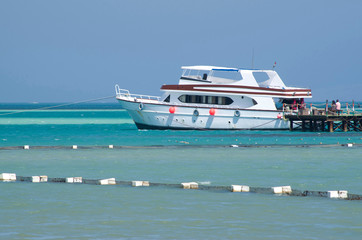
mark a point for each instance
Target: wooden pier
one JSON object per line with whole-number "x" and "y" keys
{"x": 318, "y": 121}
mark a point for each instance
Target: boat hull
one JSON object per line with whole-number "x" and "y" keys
{"x": 157, "y": 115}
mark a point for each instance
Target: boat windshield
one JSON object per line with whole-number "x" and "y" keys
{"x": 214, "y": 75}
{"x": 226, "y": 74}
{"x": 196, "y": 74}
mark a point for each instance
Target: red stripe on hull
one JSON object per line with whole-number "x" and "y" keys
{"x": 190, "y": 87}
{"x": 273, "y": 92}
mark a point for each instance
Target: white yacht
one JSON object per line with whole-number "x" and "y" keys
{"x": 209, "y": 97}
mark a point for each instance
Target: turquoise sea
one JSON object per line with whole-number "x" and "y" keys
{"x": 315, "y": 161}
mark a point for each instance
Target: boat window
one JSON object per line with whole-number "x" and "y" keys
{"x": 248, "y": 102}
{"x": 232, "y": 75}
{"x": 261, "y": 78}
{"x": 182, "y": 98}
{"x": 167, "y": 99}
{"x": 218, "y": 100}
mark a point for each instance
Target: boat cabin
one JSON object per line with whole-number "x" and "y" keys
{"x": 231, "y": 87}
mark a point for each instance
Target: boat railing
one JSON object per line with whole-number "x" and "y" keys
{"x": 126, "y": 93}
{"x": 320, "y": 109}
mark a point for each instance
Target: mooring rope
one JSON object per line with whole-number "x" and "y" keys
{"x": 263, "y": 124}
{"x": 60, "y": 105}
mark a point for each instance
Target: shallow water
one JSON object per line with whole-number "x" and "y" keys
{"x": 58, "y": 211}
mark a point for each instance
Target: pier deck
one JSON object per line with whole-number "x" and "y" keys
{"x": 329, "y": 122}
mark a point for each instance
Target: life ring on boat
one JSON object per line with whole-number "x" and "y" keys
{"x": 237, "y": 113}
{"x": 212, "y": 111}
{"x": 141, "y": 106}
{"x": 279, "y": 116}
{"x": 196, "y": 113}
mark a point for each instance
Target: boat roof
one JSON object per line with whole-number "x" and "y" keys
{"x": 209, "y": 68}
{"x": 215, "y": 68}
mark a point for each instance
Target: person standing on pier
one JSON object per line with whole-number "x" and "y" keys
{"x": 338, "y": 106}
{"x": 302, "y": 103}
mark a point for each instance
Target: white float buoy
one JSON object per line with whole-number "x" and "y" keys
{"x": 190, "y": 185}
{"x": 338, "y": 194}
{"x": 108, "y": 181}
{"x": 282, "y": 189}
{"x": 75, "y": 147}
{"x": 234, "y": 146}
{"x": 140, "y": 183}
{"x": 78, "y": 179}
{"x": 110, "y": 146}
{"x": 277, "y": 189}
{"x": 343, "y": 194}
{"x": 74, "y": 180}
{"x": 35, "y": 179}
{"x": 43, "y": 178}
{"x": 26, "y": 147}
{"x": 240, "y": 188}
{"x": 8, "y": 176}
{"x": 333, "y": 194}
{"x": 350, "y": 145}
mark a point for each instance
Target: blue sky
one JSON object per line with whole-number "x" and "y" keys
{"x": 64, "y": 51}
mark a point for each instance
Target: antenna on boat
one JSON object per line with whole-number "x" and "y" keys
{"x": 252, "y": 59}
{"x": 275, "y": 63}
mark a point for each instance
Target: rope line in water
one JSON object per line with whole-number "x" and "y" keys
{"x": 110, "y": 147}
{"x": 281, "y": 190}
{"x": 60, "y": 105}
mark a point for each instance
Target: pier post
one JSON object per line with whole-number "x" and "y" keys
{"x": 303, "y": 125}
{"x": 311, "y": 128}
{"x": 291, "y": 125}
{"x": 315, "y": 127}
{"x": 344, "y": 126}
{"x": 330, "y": 126}
{"x": 323, "y": 126}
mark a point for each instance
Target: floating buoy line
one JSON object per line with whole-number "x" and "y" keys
{"x": 57, "y": 106}
{"x": 278, "y": 190}
{"x": 182, "y": 144}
